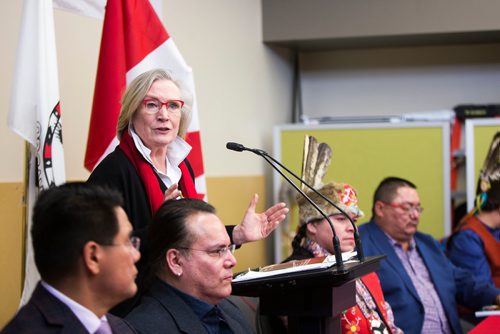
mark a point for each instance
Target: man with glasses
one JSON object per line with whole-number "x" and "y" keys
{"x": 417, "y": 279}
{"x": 191, "y": 260}
{"x": 86, "y": 257}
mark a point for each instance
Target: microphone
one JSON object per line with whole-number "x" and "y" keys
{"x": 336, "y": 244}
{"x": 240, "y": 148}
{"x": 235, "y": 147}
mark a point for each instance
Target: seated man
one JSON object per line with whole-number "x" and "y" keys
{"x": 191, "y": 259}
{"x": 86, "y": 259}
{"x": 421, "y": 284}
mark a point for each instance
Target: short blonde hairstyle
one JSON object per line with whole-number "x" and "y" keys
{"x": 137, "y": 90}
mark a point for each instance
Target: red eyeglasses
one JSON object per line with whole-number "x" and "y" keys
{"x": 406, "y": 207}
{"x": 152, "y": 106}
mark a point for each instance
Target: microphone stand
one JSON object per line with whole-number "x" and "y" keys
{"x": 357, "y": 240}
{"x": 336, "y": 242}
{"x": 238, "y": 147}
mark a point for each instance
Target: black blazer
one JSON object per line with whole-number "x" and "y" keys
{"x": 452, "y": 284}
{"x": 163, "y": 311}
{"x": 45, "y": 314}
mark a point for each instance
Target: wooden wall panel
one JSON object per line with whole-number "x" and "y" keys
{"x": 231, "y": 196}
{"x": 11, "y": 208}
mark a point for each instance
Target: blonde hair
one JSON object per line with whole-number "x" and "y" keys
{"x": 137, "y": 90}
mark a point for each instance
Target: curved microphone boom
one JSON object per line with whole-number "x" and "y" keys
{"x": 360, "y": 254}
{"x": 336, "y": 243}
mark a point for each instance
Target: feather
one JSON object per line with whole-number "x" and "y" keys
{"x": 316, "y": 161}
{"x": 491, "y": 166}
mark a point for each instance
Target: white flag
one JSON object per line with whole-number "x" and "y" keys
{"x": 35, "y": 113}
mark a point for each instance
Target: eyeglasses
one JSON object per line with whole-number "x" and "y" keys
{"x": 337, "y": 217}
{"x": 152, "y": 106}
{"x": 221, "y": 252}
{"x": 406, "y": 207}
{"x": 133, "y": 242}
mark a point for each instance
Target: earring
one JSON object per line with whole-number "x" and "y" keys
{"x": 178, "y": 274}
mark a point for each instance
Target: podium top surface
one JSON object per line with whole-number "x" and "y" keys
{"x": 317, "y": 278}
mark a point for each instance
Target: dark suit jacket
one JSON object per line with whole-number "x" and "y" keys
{"x": 451, "y": 283}
{"x": 44, "y": 314}
{"x": 163, "y": 311}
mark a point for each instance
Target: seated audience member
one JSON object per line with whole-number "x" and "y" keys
{"x": 192, "y": 259}
{"x": 86, "y": 260}
{"x": 371, "y": 314}
{"x": 475, "y": 246}
{"x": 421, "y": 284}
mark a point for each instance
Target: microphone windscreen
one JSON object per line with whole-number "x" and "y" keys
{"x": 235, "y": 147}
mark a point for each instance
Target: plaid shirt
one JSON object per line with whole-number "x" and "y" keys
{"x": 435, "y": 320}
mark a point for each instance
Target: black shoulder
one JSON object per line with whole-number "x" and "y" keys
{"x": 120, "y": 325}
{"x": 112, "y": 165}
{"x": 190, "y": 168}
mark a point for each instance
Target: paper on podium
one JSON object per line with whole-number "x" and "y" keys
{"x": 294, "y": 266}
{"x": 479, "y": 314}
{"x": 488, "y": 310}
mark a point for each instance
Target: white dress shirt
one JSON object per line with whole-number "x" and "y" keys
{"x": 89, "y": 320}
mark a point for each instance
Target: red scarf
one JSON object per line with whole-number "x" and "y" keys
{"x": 149, "y": 177}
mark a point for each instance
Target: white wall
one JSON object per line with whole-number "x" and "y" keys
{"x": 243, "y": 88}
{"x": 399, "y": 80}
{"x": 10, "y": 145}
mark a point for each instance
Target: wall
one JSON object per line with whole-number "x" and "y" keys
{"x": 243, "y": 89}
{"x": 338, "y": 23}
{"x": 11, "y": 255}
{"x": 390, "y": 81}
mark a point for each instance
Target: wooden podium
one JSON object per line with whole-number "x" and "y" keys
{"x": 312, "y": 300}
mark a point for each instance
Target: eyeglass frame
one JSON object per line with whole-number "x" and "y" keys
{"x": 406, "y": 207}
{"x": 220, "y": 252}
{"x": 161, "y": 104}
{"x": 332, "y": 216}
{"x": 133, "y": 241}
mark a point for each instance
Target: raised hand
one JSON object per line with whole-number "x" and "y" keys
{"x": 256, "y": 226}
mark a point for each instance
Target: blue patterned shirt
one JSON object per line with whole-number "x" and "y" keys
{"x": 435, "y": 320}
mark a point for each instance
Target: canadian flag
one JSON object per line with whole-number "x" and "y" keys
{"x": 35, "y": 114}
{"x": 134, "y": 41}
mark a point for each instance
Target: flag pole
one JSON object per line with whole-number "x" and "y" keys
{"x": 24, "y": 221}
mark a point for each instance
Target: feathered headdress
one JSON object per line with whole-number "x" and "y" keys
{"x": 315, "y": 163}
{"x": 490, "y": 173}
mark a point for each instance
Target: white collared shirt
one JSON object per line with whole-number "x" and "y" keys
{"x": 89, "y": 320}
{"x": 177, "y": 151}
